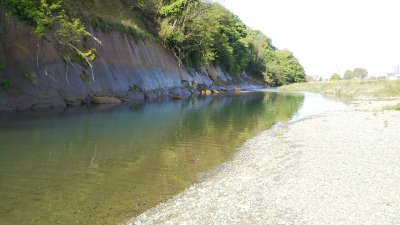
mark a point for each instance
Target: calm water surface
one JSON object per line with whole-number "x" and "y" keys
{"x": 106, "y": 165}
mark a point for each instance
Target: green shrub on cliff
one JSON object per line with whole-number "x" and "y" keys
{"x": 6, "y": 85}
{"x": 49, "y": 15}
{"x": 31, "y": 76}
{"x": 39, "y": 14}
{"x": 283, "y": 68}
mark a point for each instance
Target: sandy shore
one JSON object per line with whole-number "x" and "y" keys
{"x": 335, "y": 168}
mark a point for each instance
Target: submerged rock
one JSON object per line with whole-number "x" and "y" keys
{"x": 105, "y": 100}
{"x": 176, "y": 97}
{"x": 206, "y": 92}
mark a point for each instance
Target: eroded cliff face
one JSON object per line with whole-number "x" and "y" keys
{"x": 34, "y": 73}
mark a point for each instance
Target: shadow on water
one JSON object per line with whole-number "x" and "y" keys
{"x": 102, "y": 166}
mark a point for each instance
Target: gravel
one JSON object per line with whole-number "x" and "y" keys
{"x": 339, "y": 167}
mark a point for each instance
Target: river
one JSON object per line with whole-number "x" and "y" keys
{"x": 103, "y": 165}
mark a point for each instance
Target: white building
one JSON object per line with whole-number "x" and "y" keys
{"x": 395, "y": 74}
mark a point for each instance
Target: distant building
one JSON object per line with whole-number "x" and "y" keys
{"x": 396, "y": 70}
{"x": 395, "y": 74}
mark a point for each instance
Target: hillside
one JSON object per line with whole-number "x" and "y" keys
{"x": 61, "y": 52}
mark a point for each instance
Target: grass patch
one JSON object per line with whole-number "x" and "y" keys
{"x": 110, "y": 16}
{"x": 6, "y": 85}
{"x": 127, "y": 27}
{"x": 350, "y": 89}
{"x": 2, "y": 67}
{"x": 392, "y": 107}
{"x": 134, "y": 88}
{"x": 73, "y": 57}
{"x": 30, "y": 76}
{"x": 84, "y": 75}
{"x": 21, "y": 48}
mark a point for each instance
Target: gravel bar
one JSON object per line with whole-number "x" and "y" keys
{"x": 339, "y": 167}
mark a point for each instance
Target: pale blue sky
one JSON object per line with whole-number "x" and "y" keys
{"x": 329, "y": 35}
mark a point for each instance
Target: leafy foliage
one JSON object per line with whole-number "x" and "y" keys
{"x": 359, "y": 73}
{"x": 207, "y": 33}
{"x": 189, "y": 33}
{"x": 231, "y": 51}
{"x": 49, "y": 15}
{"x": 31, "y": 76}
{"x": 39, "y": 14}
{"x": 6, "y": 85}
{"x": 283, "y": 68}
{"x": 261, "y": 51}
{"x": 334, "y": 77}
{"x": 348, "y": 75}
{"x": 148, "y": 9}
{"x": 173, "y": 9}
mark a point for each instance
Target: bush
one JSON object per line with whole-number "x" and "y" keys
{"x": 6, "y": 85}
{"x": 381, "y": 78}
{"x": 392, "y": 107}
{"x": 335, "y": 77}
{"x": 31, "y": 76}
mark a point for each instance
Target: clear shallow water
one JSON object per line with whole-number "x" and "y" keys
{"x": 106, "y": 165}
{"x": 314, "y": 104}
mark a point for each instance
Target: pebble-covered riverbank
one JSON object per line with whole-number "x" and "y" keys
{"x": 336, "y": 168}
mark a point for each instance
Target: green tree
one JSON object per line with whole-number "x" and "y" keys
{"x": 187, "y": 28}
{"x": 233, "y": 53}
{"x": 200, "y": 33}
{"x": 335, "y": 77}
{"x": 283, "y": 69}
{"x": 148, "y": 11}
{"x": 348, "y": 75}
{"x": 261, "y": 51}
{"x": 360, "y": 73}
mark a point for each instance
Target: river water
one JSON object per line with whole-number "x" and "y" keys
{"x": 105, "y": 165}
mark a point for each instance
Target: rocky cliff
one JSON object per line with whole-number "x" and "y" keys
{"x": 34, "y": 73}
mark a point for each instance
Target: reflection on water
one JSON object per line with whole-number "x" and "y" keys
{"x": 102, "y": 166}
{"x": 314, "y": 104}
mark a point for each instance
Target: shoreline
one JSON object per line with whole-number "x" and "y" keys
{"x": 24, "y": 104}
{"x": 336, "y": 167}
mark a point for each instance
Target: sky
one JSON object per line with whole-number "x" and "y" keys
{"x": 329, "y": 36}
